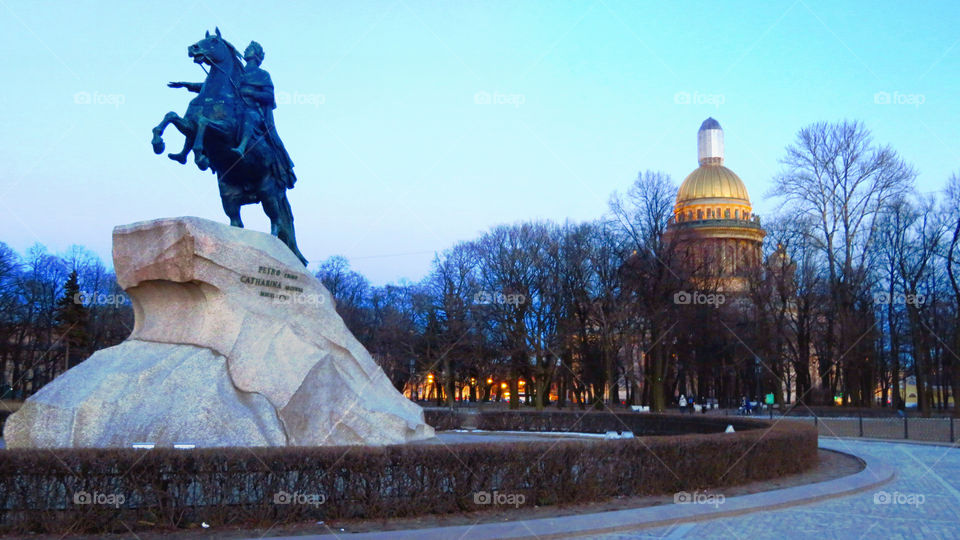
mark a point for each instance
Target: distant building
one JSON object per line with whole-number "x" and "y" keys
{"x": 715, "y": 244}
{"x": 908, "y": 392}
{"x": 713, "y": 228}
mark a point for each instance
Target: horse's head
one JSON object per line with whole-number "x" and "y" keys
{"x": 213, "y": 50}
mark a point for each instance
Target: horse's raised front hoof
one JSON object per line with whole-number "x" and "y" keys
{"x": 180, "y": 158}
{"x": 158, "y": 145}
{"x": 203, "y": 162}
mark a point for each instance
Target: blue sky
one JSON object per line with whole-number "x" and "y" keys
{"x": 397, "y": 150}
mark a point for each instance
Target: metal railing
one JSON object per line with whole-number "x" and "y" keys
{"x": 902, "y": 428}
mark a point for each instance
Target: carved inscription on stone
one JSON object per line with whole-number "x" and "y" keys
{"x": 273, "y": 283}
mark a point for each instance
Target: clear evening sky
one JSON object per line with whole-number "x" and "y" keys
{"x": 416, "y": 125}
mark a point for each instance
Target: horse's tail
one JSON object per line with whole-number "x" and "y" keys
{"x": 285, "y": 208}
{"x": 286, "y": 215}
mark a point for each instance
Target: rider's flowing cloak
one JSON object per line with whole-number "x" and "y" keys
{"x": 259, "y": 79}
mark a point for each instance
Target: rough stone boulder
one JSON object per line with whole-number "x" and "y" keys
{"x": 234, "y": 344}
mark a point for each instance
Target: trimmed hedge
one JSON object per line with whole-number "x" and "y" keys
{"x": 45, "y": 491}
{"x": 442, "y": 419}
{"x": 604, "y": 421}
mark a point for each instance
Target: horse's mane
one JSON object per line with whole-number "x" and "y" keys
{"x": 235, "y": 54}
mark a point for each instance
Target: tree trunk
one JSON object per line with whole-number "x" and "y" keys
{"x": 659, "y": 401}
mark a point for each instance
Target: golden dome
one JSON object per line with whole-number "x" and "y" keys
{"x": 712, "y": 182}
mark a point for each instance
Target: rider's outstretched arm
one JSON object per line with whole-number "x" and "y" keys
{"x": 191, "y": 87}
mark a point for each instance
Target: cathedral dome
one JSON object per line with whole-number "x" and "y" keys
{"x": 712, "y": 191}
{"x": 712, "y": 182}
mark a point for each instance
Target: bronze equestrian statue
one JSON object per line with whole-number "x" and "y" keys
{"x": 229, "y": 127}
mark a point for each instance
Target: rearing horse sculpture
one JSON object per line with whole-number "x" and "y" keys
{"x": 252, "y": 169}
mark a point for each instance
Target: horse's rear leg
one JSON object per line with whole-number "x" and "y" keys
{"x": 277, "y": 209}
{"x": 271, "y": 207}
{"x": 198, "y": 157}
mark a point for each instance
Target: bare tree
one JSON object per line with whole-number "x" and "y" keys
{"x": 453, "y": 286}
{"x": 650, "y": 273}
{"x": 509, "y": 259}
{"x": 592, "y": 256}
{"x": 916, "y": 263}
{"x": 952, "y": 211}
{"x": 838, "y": 178}
{"x": 350, "y": 292}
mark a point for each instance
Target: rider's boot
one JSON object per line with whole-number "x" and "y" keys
{"x": 242, "y": 147}
{"x": 245, "y": 135}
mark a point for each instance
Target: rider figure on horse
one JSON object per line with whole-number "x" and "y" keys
{"x": 256, "y": 120}
{"x": 229, "y": 128}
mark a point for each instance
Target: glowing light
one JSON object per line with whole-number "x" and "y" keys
{"x": 489, "y": 381}
{"x": 503, "y": 385}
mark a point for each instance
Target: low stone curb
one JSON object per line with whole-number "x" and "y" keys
{"x": 874, "y": 474}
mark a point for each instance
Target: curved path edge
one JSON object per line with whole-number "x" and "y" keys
{"x": 874, "y": 474}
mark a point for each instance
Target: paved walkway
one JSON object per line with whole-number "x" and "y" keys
{"x": 923, "y": 501}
